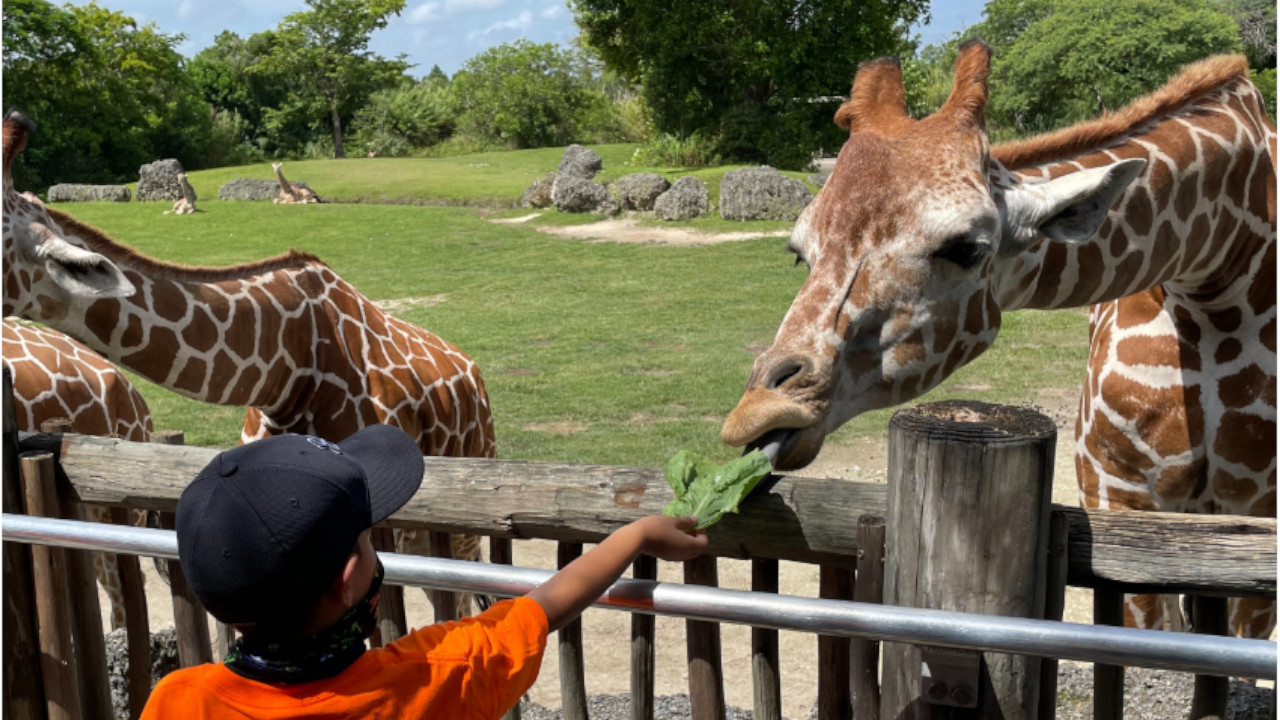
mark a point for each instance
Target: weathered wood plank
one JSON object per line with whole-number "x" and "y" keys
{"x": 573, "y": 683}
{"x": 788, "y": 518}
{"x": 766, "y": 675}
{"x": 23, "y": 696}
{"x": 643, "y": 659}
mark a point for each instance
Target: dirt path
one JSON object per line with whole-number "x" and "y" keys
{"x": 629, "y": 230}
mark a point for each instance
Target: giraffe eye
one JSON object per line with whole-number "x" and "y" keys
{"x": 963, "y": 251}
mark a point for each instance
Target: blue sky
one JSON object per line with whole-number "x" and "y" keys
{"x": 430, "y": 32}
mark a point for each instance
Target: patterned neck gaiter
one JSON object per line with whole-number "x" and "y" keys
{"x": 314, "y": 657}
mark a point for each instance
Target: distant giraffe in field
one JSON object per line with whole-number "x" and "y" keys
{"x": 1162, "y": 216}
{"x": 57, "y": 378}
{"x": 291, "y": 194}
{"x": 303, "y": 348}
{"x": 187, "y": 203}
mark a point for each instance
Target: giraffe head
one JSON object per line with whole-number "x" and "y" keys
{"x": 905, "y": 245}
{"x": 46, "y": 270}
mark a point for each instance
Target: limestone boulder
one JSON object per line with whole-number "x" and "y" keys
{"x": 687, "y": 199}
{"x": 158, "y": 181}
{"x": 539, "y": 193}
{"x": 579, "y": 195}
{"x": 639, "y": 191}
{"x": 762, "y": 193}
{"x": 253, "y": 189}
{"x": 71, "y": 192}
{"x": 579, "y": 162}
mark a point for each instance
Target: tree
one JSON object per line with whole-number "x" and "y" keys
{"x": 323, "y": 54}
{"x": 522, "y": 94}
{"x": 1089, "y": 56}
{"x": 108, "y": 95}
{"x": 753, "y": 72}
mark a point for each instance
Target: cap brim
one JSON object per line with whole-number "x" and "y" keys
{"x": 392, "y": 464}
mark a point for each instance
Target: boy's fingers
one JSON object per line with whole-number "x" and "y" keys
{"x": 687, "y": 523}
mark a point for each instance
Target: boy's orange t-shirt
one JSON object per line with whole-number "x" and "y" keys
{"x": 473, "y": 668}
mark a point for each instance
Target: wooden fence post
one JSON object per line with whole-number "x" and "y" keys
{"x": 766, "y": 676}
{"x": 706, "y": 674}
{"x": 864, "y": 653}
{"x": 23, "y": 696}
{"x": 1108, "y": 680}
{"x": 501, "y": 553}
{"x": 53, "y": 609}
{"x": 1209, "y": 698}
{"x": 968, "y": 522}
{"x": 573, "y": 684}
{"x": 392, "y": 623}
{"x": 190, "y": 621}
{"x": 1054, "y": 605}
{"x": 834, "y": 700}
{"x": 137, "y": 623}
{"x": 643, "y": 661}
{"x": 444, "y": 602}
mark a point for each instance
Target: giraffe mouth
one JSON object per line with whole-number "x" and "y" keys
{"x": 789, "y": 448}
{"x": 774, "y": 444}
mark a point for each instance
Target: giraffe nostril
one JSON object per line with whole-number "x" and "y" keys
{"x": 785, "y": 371}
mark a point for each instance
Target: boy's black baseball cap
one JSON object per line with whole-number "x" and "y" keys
{"x": 265, "y": 528}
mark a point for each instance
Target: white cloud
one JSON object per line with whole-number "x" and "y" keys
{"x": 427, "y": 12}
{"x": 521, "y": 22}
{"x": 551, "y": 12}
{"x": 461, "y": 6}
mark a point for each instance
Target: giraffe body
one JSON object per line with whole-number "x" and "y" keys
{"x": 287, "y": 337}
{"x": 55, "y": 377}
{"x": 1160, "y": 216}
{"x": 291, "y": 194}
{"x": 187, "y": 203}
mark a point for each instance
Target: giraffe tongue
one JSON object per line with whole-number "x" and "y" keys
{"x": 773, "y": 443}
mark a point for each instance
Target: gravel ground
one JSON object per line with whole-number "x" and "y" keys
{"x": 1149, "y": 695}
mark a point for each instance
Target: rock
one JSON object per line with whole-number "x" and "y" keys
{"x": 539, "y": 193}
{"x": 687, "y": 199}
{"x": 639, "y": 191}
{"x": 579, "y": 162}
{"x": 761, "y": 193}
{"x": 158, "y": 181}
{"x": 253, "y": 189}
{"x": 71, "y": 192}
{"x": 164, "y": 660}
{"x": 576, "y": 195}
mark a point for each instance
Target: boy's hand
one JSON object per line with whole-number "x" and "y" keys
{"x": 672, "y": 538}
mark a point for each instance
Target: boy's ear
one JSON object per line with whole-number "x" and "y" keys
{"x": 347, "y": 591}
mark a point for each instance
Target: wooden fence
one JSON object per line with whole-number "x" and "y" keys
{"x": 965, "y": 468}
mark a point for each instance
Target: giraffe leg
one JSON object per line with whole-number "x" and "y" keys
{"x": 1145, "y": 612}
{"x": 106, "y": 569}
{"x": 464, "y": 547}
{"x": 1252, "y": 617}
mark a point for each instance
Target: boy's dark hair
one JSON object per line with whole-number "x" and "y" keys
{"x": 265, "y": 528}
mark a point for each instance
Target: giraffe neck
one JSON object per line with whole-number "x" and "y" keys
{"x": 284, "y": 184}
{"x": 1199, "y": 218}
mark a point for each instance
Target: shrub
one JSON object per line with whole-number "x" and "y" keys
{"x": 667, "y": 150}
{"x": 227, "y": 144}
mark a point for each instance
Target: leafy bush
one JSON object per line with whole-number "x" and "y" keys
{"x": 227, "y": 144}
{"x": 411, "y": 116}
{"x": 667, "y": 150}
{"x": 1266, "y": 82}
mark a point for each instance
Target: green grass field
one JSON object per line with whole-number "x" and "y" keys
{"x": 592, "y": 352}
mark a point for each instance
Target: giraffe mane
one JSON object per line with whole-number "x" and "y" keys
{"x": 1193, "y": 82}
{"x": 98, "y": 241}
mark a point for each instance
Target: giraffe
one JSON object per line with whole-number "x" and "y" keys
{"x": 1161, "y": 216}
{"x": 291, "y": 194}
{"x": 287, "y": 337}
{"x": 55, "y": 377}
{"x": 187, "y": 203}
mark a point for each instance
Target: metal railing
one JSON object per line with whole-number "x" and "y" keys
{"x": 1202, "y": 654}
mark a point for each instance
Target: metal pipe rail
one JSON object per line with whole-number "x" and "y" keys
{"x": 1201, "y": 654}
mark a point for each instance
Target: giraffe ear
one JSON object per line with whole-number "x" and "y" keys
{"x": 1070, "y": 208}
{"x": 81, "y": 273}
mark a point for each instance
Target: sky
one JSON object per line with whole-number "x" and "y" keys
{"x": 430, "y": 32}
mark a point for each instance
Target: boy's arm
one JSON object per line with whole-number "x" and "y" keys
{"x": 584, "y": 580}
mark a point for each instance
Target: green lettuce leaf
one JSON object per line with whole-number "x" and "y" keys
{"x": 707, "y": 491}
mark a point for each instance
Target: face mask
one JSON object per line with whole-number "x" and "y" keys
{"x": 314, "y": 657}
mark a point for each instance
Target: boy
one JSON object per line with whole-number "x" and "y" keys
{"x": 273, "y": 537}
